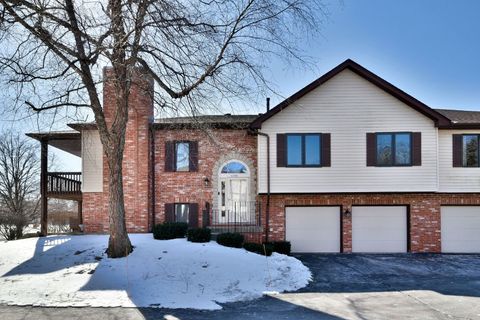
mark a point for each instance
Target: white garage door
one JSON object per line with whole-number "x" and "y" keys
{"x": 379, "y": 229}
{"x": 313, "y": 229}
{"x": 460, "y": 229}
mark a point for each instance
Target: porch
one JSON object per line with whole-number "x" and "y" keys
{"x": 240, "y": 217}
{"x": 54, "y": 184}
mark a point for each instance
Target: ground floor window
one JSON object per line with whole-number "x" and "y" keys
{"x": 181, "y": 212}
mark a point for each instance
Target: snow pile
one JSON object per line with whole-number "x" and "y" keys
{"x": 74, "y": 271}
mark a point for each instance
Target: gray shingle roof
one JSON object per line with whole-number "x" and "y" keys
{"x": 461, "y": 116}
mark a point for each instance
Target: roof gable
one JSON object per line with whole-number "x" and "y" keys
{"x": 439, "y": 119}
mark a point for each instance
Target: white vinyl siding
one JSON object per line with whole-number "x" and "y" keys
{"x": 313, "y": 229}
{"x": 455, "y": 179}
{"x": 460, "y": 229}
{"x": 92, "y": 162}
{"x": 348, "y": 106}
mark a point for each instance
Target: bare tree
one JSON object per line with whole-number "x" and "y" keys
{"x": 19, "y": 172}
{"x": 195, "y": 50}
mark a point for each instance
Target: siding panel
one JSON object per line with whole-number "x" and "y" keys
{"x": 348, "y": 106}
{"x": 455, "y": 179}
{"x": 92, "y": 162}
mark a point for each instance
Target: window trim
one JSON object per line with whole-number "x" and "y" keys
{"x": 175, "y": 210}
{"x": 478, "y": 150}
{"x": 303, "y": 151}
{"x": 175, "y": 143}
{"x": 394, "y": 149}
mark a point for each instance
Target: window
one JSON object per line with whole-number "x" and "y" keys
{"x": 470, "y": 150}
{"x": 182, "y": 154}
{"x": 181, "y": 212}
{"x": 303, "y": 150}
{"x": 394, "y": 149}
{"x": 234, "y": 167}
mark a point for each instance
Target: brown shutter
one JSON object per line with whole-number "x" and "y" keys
{"x": 193, "y": 215}
{"x": 457, "y": 150}
{"x": 170, "y": 156}
{"x": 371, "y": 150}
{"x": 416, "y": 149}
{"x": 281, "y": 149}
{"x": 326, "y": 157}
{"x": 193, "y": 156}
{"x": 169, "y": 212}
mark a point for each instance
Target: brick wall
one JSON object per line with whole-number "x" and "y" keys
{"x": 215, "y": 147}
{"x": 136, "y": 163}
{"x": 424, "y": 213}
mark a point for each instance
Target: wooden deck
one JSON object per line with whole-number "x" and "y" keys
{"x": 64, "y": 185}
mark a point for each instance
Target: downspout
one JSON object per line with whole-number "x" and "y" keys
{"x": 267, "y": 207}
{"x": 152, "y": 175}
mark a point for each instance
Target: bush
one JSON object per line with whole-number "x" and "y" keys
{"x": 259, "y": 248}
{"x": 283, "y": 247}
{"x": 199, "y": 235}
{"x": 170, "y": 230}
{"x": 229, "y": 239}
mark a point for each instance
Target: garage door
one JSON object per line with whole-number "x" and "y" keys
{"x": 379, "y": 229}
{"x": 460, "y": 229}
{"x": 313, "y": 229}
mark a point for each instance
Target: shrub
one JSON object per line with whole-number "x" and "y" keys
{"x": 229, "y": 239}
{"x": 199, "y": 235}
{"x": 259, "y": 248}
{"x": 283, "y": 247}
{"x": 170, "y": 230}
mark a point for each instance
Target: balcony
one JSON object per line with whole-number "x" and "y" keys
{"x": 64, "y": 185}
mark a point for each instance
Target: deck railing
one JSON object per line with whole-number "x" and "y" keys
{"x": 64, "y": 182}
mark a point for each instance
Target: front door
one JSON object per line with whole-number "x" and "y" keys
{"x": 234, "y": 205}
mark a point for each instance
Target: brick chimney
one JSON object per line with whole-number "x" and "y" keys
{"x": 137, "y": 156}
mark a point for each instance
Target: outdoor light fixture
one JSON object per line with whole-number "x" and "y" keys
{"x": 206, "y": 181}
{"x": 347, "y": 213}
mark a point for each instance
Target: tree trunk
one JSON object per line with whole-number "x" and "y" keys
{"x": 119, "y": 244}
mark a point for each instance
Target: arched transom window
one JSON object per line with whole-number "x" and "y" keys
{"x": 234, "y": 167}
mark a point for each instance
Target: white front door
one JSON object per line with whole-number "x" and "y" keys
{"x": 234, "y": 205}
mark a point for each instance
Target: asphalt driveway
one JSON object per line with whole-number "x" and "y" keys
{"x": 406, "y": 286}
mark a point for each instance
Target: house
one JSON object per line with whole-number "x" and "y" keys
{"x": 350, "y": 163}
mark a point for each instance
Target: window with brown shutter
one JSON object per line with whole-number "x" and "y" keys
{"x": 326, "y": 150}
{"x": 169, "y": 156}
{"x": 193, "y": 215}
{"x": 394, "y": 149}
{"x": 169, "y": 212}
{"x": 416, "y": 149}
{"x": 281, "y": 150}
{"x": 306, "y": 149}
{"x": 371, "y": 150}
{"x": 457, "y": 151}
{"x": 193, "y": 158}
{"x": 181, "y": 156}
{"x": 466, "y": 150}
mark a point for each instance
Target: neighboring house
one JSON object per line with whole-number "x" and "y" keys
{"x": 349, "y": 163}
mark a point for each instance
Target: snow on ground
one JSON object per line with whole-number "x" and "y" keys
{"x": 75, "y": 271}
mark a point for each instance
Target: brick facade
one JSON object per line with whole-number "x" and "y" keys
{"x": 423, "y": 208}
{"x": 215, "y": 147}
{"x": 136, "y": 163}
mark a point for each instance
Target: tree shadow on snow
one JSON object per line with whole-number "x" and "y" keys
{"x": 54, "y": 253}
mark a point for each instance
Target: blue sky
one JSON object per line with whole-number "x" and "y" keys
{"x": 430, "y": 49}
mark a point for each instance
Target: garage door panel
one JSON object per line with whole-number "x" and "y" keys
{"x": 313, "y": 229}
{"x": 460, "y": 227}
{"x": 379, "y": 229}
